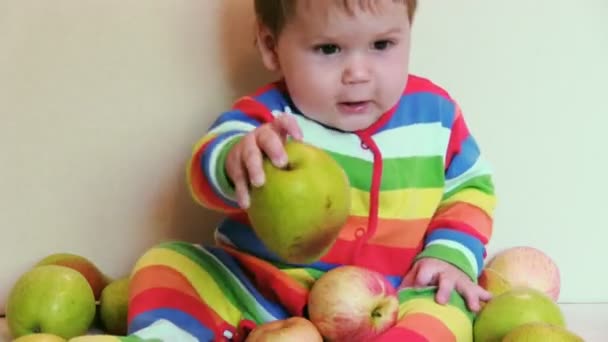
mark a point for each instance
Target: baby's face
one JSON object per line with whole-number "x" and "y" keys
{"x": 345, "y": 68}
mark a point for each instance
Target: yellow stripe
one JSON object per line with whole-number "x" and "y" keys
{"x": 301, "y": 276}
{"x": 201, "y": 281}
{"x": 480, "y": 199}
{"x": 453, "y": 318}
{"x": 203, "y": 141}
{"x": 408, "y": 204}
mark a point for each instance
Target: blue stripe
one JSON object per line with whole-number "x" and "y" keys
{"x": 395, "y": 281}
{"x": 273, "y": 99}
{"x": 470, "y": 242}
{"x": 245, "y": 239}
{"x": 234, "y": 115}
{"x": 423, "y": 107}
{"x": 179, "y": 318}
{"x": 275, "y": 309}
{"x": 205, "y": 164}
{"x": 465, "y": 159}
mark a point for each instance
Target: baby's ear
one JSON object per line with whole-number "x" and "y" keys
{"x": 266, "y": 43}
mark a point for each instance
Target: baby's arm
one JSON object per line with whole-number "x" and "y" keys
{"x": 462, "y": 225}
{"x": 207, "y": 178}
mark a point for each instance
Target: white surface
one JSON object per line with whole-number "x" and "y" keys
{"x": 100, "y": 103}
{"x": 590, "y": 321}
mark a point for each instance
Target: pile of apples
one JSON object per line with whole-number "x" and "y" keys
{"x": 63, "y": 296}
{"x": 350, "y": 303}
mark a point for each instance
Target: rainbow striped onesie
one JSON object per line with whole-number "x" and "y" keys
{"x": 419, "y": 189}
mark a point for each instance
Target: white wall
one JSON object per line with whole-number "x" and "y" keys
{"x": 100, "y": 102}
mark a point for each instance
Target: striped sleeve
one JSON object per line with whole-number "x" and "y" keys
{"x": 462, "y": 225}
{"x": 207, "y": 179}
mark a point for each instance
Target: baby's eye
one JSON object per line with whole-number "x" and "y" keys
{"x": 327, "y": 49}
{"x": 382, "y": 44}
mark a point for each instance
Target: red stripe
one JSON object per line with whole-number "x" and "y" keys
{"x": 416, "y": 84}
{"x": 273, "y": 284}
{"x": 163, "y": 298}
{"x": 400, "y": 334}
{"x": 154, "y": 276}
{"x": 201, "y": 186}
{"x": 254, "y": 109}
{"x": 375, "y": 257}
{"x": 458, "y": 134}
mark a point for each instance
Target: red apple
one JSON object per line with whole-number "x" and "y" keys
{"x": 292, "y": 329}
{"x": 97, "y": 279}
{"x": 350, "y": 303}
{"x": 529, "y": 267}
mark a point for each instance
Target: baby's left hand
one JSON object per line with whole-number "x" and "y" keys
{"x": 435, "y": 272}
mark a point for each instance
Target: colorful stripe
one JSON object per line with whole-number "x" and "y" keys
{"x": 419, "y": 186}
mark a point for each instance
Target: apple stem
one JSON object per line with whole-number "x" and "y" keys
{"x": 376, "y": 313}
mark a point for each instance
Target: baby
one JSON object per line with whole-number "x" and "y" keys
{"x": 422, "y": 196}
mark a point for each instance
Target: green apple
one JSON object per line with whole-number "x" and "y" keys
{"x": 300, "y": 209}
{"x": 50, "y": 299}
{"x": 515, "y": 307}
{"x": 39, "y": 338}
{"x": 86, "y": 267}
{"x": 113, "y": 307}
{"x": 541, "y": 332}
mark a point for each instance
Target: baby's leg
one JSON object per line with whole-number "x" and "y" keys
{"x": 186, "y": 292}
{"x": 422, "y": 319}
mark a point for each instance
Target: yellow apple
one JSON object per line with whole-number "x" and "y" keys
{"x": 39, "y": 338}
{"x": 527, "y": 266}
{"x": 493, "y": 282}
{"x": 300, "y": 209}
{"x": 541, "y": 332}
{"x": 294, "y": 329}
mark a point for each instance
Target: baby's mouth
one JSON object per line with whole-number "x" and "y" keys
{"x": 354, "y": 107}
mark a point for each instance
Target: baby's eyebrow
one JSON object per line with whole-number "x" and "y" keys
{"x": 394, "y": 30}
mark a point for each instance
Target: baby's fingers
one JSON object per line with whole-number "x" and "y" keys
{"x": 270, "y": 143}
{"x": 288, "y": 125}
{"x": 238, "y": 176}
{"x": 235, "y": 169}
{"x": 472, "y": 295}
{"x": 252, "y": 159}
{"x": 444, "y": 289}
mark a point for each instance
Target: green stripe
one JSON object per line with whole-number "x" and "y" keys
{"x": 398, "y": 173}
{"x": 239, "y": 298}
{"x": 449, "y": 255}
{"x": 226, "y": 186}
{"x": 482, "y": 183}
{"x": 456, "y": 299}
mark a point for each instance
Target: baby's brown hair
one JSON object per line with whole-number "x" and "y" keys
{"x": 274, "y": 13}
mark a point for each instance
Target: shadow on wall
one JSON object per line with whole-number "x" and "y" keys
{"x": 242, "y": 66}
{"x": 243, "y": 72}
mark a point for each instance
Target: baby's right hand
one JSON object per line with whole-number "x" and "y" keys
{"x": 244, "y": 161}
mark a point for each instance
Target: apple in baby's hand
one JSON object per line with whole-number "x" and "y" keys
{"x": 86, "y": 267}
{"x": 50, "y": 299}
{"x": 541, "y": 332}
{"x": 300, "y": 209}
{"x": 351, "y": 303}
{"x": 293, "y": 329}
{"x": 39, "y": 338}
